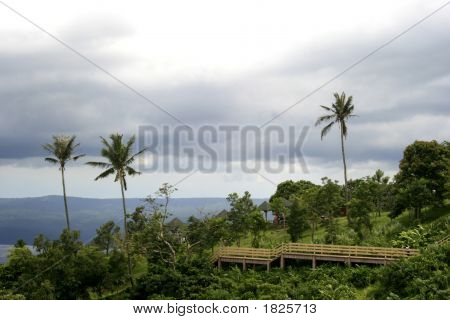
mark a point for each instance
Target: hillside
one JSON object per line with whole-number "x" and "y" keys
{"x": 384, "y": 229}
{"x": 24, "y": 218}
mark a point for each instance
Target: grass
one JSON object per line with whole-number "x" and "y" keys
{"x": 277, "y": 235}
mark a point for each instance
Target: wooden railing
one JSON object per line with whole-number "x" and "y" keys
{"x": 314, "y": 250}
{"x": 249, "y": 253}
{"x": 352, "y": 251}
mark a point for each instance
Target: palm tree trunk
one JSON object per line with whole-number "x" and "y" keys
{"x": 65, "y": 198}
{"x": 345, "y": 164}
{"x": 125, "y": 235}
{"x": 345, "y": 172}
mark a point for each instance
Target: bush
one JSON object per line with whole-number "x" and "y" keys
{"x": 420, "y": 277}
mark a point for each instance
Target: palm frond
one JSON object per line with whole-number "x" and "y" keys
{"x": 98, "y": 164}
{"x": 49, "y": 147}
{"x": 349, "y": 102}
{"x": 78, "y": 157}
{"x": 51, "y": 160}
{"x": 327, "y": 108}
{"x": 326, "y": 129}
{"x": 324, "y": 118}
{"x": 70, "y": 141}
{"x": 105, "y": 142}
{"x": 106, "y": 153}
{"x": 105, "y": 173}
{"x": 336, "y": 96}
{"x": 133, "y": 157}
{"x": 132, "y": 172}
{"x": 131, "y": 141}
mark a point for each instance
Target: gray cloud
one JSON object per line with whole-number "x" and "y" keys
{"x": 51, "y": 91}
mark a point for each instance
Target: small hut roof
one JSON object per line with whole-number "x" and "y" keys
{"x": 222, "y": 214}
{"x": 175, "y": 222}
{"x": 265, "y": 206}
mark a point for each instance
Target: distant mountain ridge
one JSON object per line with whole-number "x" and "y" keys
{"x": 24, "y": 218}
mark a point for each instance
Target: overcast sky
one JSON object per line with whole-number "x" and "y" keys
{"x": 212, "y": 63}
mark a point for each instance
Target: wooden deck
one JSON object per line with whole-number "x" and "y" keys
{"x": 311, "y": 252}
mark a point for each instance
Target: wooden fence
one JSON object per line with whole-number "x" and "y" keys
{"x": 314, "y": 252}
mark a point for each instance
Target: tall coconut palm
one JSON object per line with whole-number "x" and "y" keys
{"x": 339, "y": 112}
{"x": 120, "y": 157}
{"x": 62, "y": 149}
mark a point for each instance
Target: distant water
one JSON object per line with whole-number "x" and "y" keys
{"x": 4, "y": 251}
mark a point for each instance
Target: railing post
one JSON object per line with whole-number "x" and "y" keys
{"x": 348, "y": 261}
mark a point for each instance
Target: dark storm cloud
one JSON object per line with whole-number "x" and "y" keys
{"x": 52, "y": 91}
{"x": 48, "y": 93}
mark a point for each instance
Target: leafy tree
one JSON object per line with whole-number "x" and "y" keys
{"x": 331, "y": 230}
{"x": 196, "y": 231}
{"x": 289, "y": 188}
{"x": 137, "y": 221}
{"x": 117, "y": 270}
{"x": 151, "y": 234}
{"x": 361, "y": 206}
{"x": 297, "y": 220}
{"x": 381, "y": 190}
{"x": 206, "y": 233}
{"x": 240, "y": 208}
{"x": 256, "y": 225}
{"x": 159, "y": 217}
{"x": 416, "y": 195}
{"x": 425, "y": 168}
{"x": 106, "y": 236}
{"x": 187, "y": 281}
{"x": 62, "y": 150}
{"x": 216, "y": 232}
{"x": 339, "y": 112}
{"x": 120, "y": 158}
{"x": 329, "y": 198}
{"x": 322, "y": 202}
{"x": 62, "y": 269}
{"x": 359, "y": 210}
{"x": 20, "y": 243}
{"x": 278, "y": 206}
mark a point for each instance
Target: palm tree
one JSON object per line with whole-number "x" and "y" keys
{"x": 120, "y": 157}
{"x": 339, "y": 112}
{"x": 62, "y": 149}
